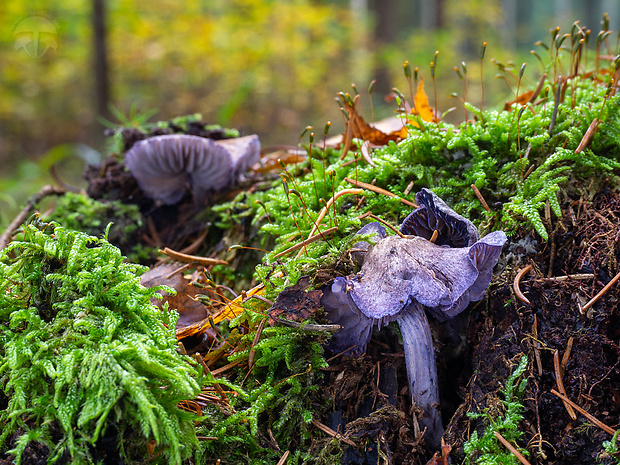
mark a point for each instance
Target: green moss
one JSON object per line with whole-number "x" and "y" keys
{"x": 84, "y": 354}
{"x": 278, "y": 394}
{"x": 512, "y": 158}
{"x": 485, "y": 448}
{"x": 81, "y": 213}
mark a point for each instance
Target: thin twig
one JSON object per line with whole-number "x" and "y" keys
{"x": 307, "y": 327}
{"x": 538, "y": 89}
{"x": 283, "y": 459}
{"x": 261, "y": 298}
{"x": 586, "y": 414}
{"x": 326, "y": 208}
{"x": 560, "y": 384}
{"x": 480, "y": 197}
{"x": 558, "y": 94}
{"x": 566, "y": 356}
{"x": 194, "y": 245}
{"x": 587, "y": 137}
{"x": 509, "y": 446}
{"x": 600, "y": 294}
{"x": 259, "y": 332}
{"x": 25, "y": 212}
{"x": 306, "y": 242}
{"x": 225, "y": 368}
{"x": 216, "y": 385}
{"x": 570, "y": 276}
{"x": 517, "y": 282}
{"x": 537, "y": 346}
{"x": 185, "y": 258}
{"x": 378, "y": 190}
{"x": 330, "y": 432}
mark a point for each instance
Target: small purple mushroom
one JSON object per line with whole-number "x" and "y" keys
{"x": 402, "y": 276}
{"x": 166, "y": 166}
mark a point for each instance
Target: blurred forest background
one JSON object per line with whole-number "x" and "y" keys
{"x": 269, "y": 67}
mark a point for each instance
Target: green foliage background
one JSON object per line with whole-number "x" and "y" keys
{"x": 270, "y": 67}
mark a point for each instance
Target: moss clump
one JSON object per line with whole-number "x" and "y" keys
{"x": 82, "y": 213}
{"x": 84, "y": 354}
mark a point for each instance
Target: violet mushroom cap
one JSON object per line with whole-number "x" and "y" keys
{"x": 166, "y": 166}
{"x": 400, "y": 277}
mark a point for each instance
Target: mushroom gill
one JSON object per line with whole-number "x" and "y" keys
{"x": 165, "y": 167}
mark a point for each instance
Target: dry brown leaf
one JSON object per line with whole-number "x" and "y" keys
{"x": 190, "y": 311}
{"x": 295, "y": 303}
{"x": 358, "y": 128}
{"x": 522, "y": 99}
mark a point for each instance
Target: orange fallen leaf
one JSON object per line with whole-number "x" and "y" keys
{"x": 522, "y": 99}
{"x": 422, "y": 107}
{"x": 358, "y": 128}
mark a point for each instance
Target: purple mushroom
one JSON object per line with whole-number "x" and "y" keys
{"x": 166, "y": 166}
{"x": 400, "y": 277}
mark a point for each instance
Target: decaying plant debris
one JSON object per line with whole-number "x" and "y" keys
{"x": 546, "y": 170}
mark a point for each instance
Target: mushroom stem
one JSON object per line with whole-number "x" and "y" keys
{"x": 422, "y": 370}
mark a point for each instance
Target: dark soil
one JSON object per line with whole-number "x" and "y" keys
{"x": 500, "y": 330}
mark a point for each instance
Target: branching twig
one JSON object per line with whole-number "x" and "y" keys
{"x": 23, "y": 215}
{"x": 326, "y": 208}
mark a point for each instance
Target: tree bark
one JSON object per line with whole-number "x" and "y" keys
{"x": 102, "y": 86}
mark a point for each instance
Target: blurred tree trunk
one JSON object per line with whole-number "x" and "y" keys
{"x": 360, "y": 55}
{"x": 385, "y": 32}
{"x": 102, "y": 86}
